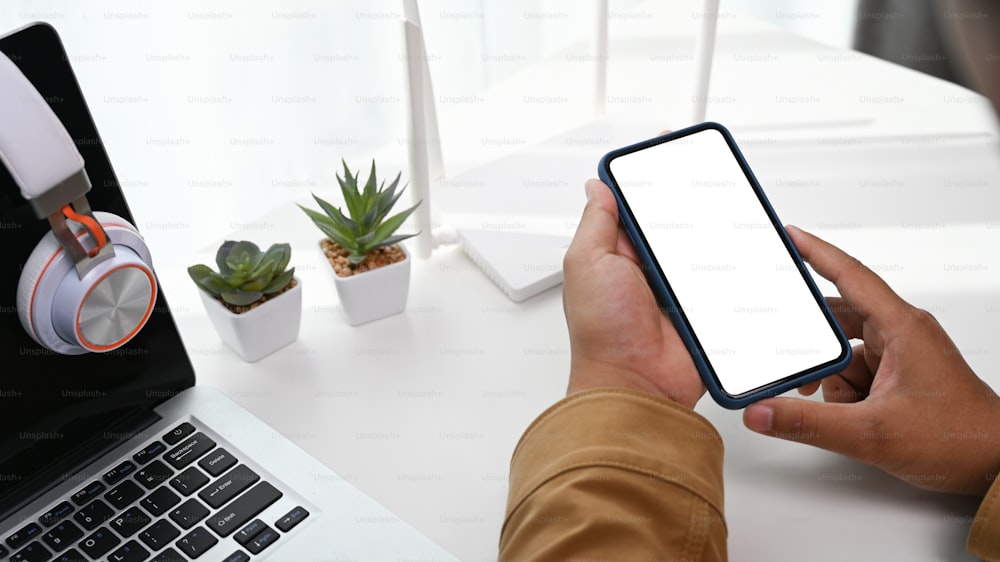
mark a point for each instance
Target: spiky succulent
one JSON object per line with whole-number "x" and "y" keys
{"x": 245, "y": 273}
{"x": 365, "y": 227}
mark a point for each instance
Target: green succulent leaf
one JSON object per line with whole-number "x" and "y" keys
{"x": 396, "y": 238}
{"x": 241, "y": 298}
{"x": 206, "y": 279}
{"x": 279, "y": 282}
{"x": 345, "y": 241}
{"x": 392, "y": 223}
{"x": 258, "y": 283}
{"x": 349, "y": 187}
{"x": 355, "y": 258}
{"x": 370, "y": 188}
{"x": 284, "y": 254}
{"x": 236, "y": 279}
{"x": 222, "y": 254}
{"x": 274, "y": 261}
{"x": 388, "y": 198}
{"x": 335, "y": 215}
{"x": 317, "y": 217}
{"x": 242, "y": 255}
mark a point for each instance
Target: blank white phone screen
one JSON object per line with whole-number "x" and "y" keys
{"x": 746, "y": 302}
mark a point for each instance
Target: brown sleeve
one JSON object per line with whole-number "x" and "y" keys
{"x": 984, "y": 538}
{"x": 613, "y": 474}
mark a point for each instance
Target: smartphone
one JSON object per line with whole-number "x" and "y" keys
{"x": 722, "y": 266}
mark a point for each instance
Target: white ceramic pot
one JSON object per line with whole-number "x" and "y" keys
{"x": 376, "y": 293}
{"x": 262, "y": 330}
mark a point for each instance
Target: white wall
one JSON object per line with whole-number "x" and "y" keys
{"x": 825, "y": 21}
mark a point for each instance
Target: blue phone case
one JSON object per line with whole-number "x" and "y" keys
{"x": 667, "y": 300}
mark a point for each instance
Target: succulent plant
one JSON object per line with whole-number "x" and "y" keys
{"x": 245, "y": 272}
{"x": 365, "y": 227}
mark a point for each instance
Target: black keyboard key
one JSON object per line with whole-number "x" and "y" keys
{"x": 238, "y": 556}
{"x": 247, "y": 533}
{"x": 189, "y": 481}
{"x": 56, "y": 514}
{"x": 116, "y": 474}
{"x": 244, "y": 535}
{"x": 189, "y": 513}
{"x": 3, "y": 551}
{"x": 228, "y": 486}
{"x": 23, "y": 535}
{"x": 159, "y": 534}
{"x": 149, "y": 453}
{"x": 158, "y": 502}
{"x": 195, "y": 543}
{"x": 178, "y": 433}
{"x": 90, "y": 492}
{"x": 189, "y": 451}
{"x": 60, "y": 536}
{"x": 98, "y": 543}
{"x": 129, "y": 552}
{"x": 123, "y": 494}
{"x": 264, "y": 539}
{"x": 129, "y": 522}
{"x": 153, "y": 475}
{"x": 218, "y": 462}
{"x": 93, "y": 514}
{"x": 291, "y": 519}
{"x": 169, "y": 555}
{"x": 71, "y": 556}
{"x": 243, "y": 509}
{"x": 34, "y": 552}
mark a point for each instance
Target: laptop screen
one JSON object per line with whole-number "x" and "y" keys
{"x": 57, "y": 412}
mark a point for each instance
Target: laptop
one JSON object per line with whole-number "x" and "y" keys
{"x": 119, "y": 456}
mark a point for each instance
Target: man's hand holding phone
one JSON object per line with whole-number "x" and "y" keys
{"x": 618, "y": 335}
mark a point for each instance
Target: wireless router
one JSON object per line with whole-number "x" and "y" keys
{"x": 522, "y": 264}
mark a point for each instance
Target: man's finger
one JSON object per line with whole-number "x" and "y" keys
{"x": 625, "y": 246}
{"x": 809, "y": 389}
{"x": 853, "y": 383}
{"x": 598, "y": 228}
{"x": 847, "y": 316}
{"x": 873, "y": 299}
{"x": 829, "y": 426}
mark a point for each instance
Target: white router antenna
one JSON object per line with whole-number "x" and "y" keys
{"x": 423, "y": 140}
{"x": 704, "y": 52}
{"x": 520, "y": 264}
{"x": 416, "y": 137}
{"x": 599, "y": 50}
{"x": 418, "y": 51}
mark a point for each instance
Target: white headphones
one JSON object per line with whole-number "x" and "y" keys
{"x": 88, "y": 286}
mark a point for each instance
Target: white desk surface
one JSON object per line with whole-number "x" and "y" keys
{"x": 422, "y": 410}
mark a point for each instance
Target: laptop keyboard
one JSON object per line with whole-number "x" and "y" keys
{"x": 171, "y": 501}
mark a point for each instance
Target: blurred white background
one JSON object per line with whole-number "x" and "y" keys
{"x": 181, "y": 89}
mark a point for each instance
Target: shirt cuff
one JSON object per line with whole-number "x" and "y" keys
{"x": 984, "y": 537}
{"x": 621, "y": 428}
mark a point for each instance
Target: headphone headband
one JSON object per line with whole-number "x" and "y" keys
{"x": 35, "y": 147}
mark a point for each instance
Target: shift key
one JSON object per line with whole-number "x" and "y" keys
{"x": 189, "y": 450}
{"x": 243, "y": 509}
{"x": 228, "y": 486}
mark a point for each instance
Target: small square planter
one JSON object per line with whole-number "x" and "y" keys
{"x": 376, "y": 293}
{"x": 262, "y": 330}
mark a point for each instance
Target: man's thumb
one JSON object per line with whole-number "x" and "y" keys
{"x": 826, "y": 425}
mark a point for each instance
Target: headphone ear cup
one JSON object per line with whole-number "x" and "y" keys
{"x": 49, "y": 276}
{"x": 42, "y": 256}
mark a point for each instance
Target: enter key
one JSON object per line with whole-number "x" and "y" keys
{"x": 228, "y": 486}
